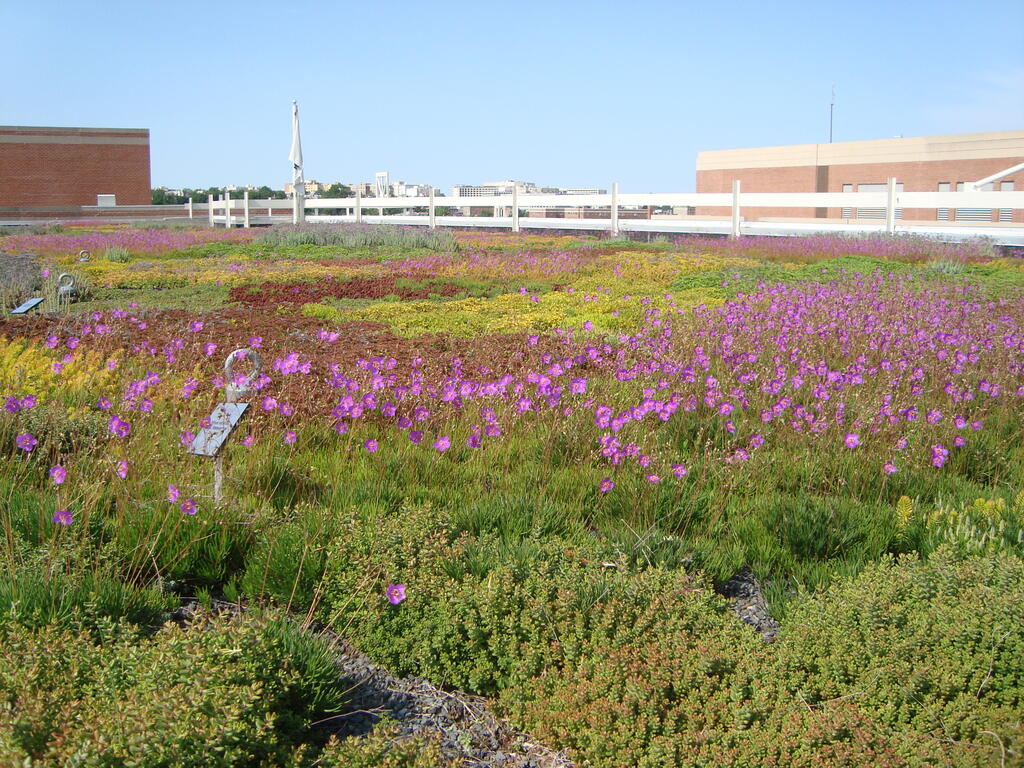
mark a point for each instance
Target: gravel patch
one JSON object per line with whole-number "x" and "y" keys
{"x": 747, "y": 601}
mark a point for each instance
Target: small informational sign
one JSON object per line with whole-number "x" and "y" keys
{"x": 27, "y": 306}
{"x": 223, "y": 420}
{"x": 106, "y": 200}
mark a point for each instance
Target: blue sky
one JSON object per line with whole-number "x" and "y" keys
{"x": 558, "y": 93}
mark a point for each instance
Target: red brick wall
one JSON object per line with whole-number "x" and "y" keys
{"x": 915, "y": 177}
{"x": 61, "y": 166}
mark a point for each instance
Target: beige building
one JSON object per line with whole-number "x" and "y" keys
{"x": 919, "y": 164}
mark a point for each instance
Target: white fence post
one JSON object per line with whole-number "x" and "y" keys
{"x": 735, "y": 230}
{"x": 227, "y": 208}
{"x": 209, "y": 208}
{"x": 430, "y": 209}
{"x": 615, "y": 209}
{"x": 890, "y": 205}
{"x": 515, "y": 208}
{"x": 245, "y": 207}
{"x": 359, "y": 206}
{"x": 190, "y": 207}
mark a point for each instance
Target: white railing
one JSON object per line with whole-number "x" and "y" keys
{"x": 245, "y": 212}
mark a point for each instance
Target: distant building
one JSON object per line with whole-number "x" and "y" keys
{"x": 522, "y": 187}
{"x": 919, "y": 164}
{"x": 47, "y": 171}
{"x": 390, "y": 188}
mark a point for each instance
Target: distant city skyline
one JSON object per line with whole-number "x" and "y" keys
{"x": 575, "y": 94}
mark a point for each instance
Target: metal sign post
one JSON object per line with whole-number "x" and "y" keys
{"x": 226, "y": 416}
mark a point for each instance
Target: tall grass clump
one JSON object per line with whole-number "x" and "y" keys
{"x": 360, "y": 235}
{"x": 117, "y": 254}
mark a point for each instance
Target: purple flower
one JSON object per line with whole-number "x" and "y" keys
{"x": 959, "y": 441}
{"x": 62, "y": 517}
{"x": 58, "y": 473}
{"x": 442, "y": 443}
{"x": 370, "y": 445}
{"x": 122, "y": 469}
{"x": 104, "y": 403}
{"x": 188, "y": 506}
{"x": 118, "y": 427}
{"x": 852, "y": 440}
{"x": 416, "y": 436}
{"x": 269, "y": 403}
{"x": 889, "y": 468}
{"x": 28, "y": 402}
{"x": 12, "y": 405}
{"x": 26, "y": 442}
{"x": 195, "y": 326}
{"x": 652, "y": 478}
{"x": 52, "y": 341}
{"x": 606, "y": 485}
{"x": 492, "y": 430}
{"x": 187, "y": 438}
{"x": 395, "y": 593}
{"x": 939, "y": 454}
{"x": 172, "y": 493}
{"x": 678, "y": 470}
{"x": 209, "y": 348}
{"x": 248, "y": 440}
{"x": 290, "y": 437}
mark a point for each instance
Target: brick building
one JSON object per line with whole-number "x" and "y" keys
{"x": 52, "y": 170}
{"x": 919, "y": 164}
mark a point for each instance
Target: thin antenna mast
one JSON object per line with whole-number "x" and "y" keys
{"x": 831, "y": 111}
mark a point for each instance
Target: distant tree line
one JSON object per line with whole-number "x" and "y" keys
{"x": 165, "y": 197}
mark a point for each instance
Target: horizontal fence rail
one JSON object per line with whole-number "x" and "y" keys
{"x": 611, "y": 211}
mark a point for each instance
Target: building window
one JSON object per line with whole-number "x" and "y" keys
{"x": 847, "y": 213}
{"x": 942, "y": 214}
{"x": 1006, "y": 214}
{"x": 974, "y": 214}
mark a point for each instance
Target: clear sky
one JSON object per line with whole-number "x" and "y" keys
{"x": 559, "y": 93}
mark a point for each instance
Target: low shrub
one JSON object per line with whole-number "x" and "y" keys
{"x": 909, "y": 663}
{"x": 482, "y": 619}
{"x": 382, "y": 748}
{"x": 224, "y": 693}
